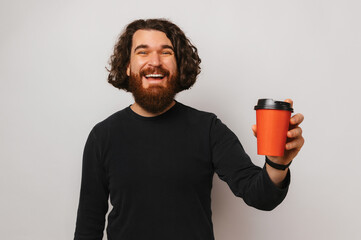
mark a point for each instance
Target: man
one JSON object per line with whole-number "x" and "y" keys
{"x": 156, "y": 158}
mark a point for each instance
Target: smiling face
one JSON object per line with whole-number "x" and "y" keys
{"x": 152, "y": 57}
{"x": 152, "y": 70}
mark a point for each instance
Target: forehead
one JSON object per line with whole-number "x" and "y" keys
{"x": 151, "y": 38}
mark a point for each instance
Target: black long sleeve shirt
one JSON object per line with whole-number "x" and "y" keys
{"x": 158, "y": 173}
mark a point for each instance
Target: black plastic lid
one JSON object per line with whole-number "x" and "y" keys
{"x": 267, "y": 103}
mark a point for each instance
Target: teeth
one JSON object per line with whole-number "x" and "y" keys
{"x": 154, "y": 75}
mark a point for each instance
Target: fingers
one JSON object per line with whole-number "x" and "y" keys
{"x": 295, "y": 140}
{"x": 294, "y": 133}
{"x": 289, "y": 101}
{"x": 297, "y": 143}
{"x": 297, "y": 119}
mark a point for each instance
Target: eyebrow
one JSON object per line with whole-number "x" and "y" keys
{"x": 147, "y": 46}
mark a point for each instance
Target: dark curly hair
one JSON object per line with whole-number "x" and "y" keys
{"x": 186, "y": 54}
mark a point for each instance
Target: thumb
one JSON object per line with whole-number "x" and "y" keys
{"x": 254, "y": 129}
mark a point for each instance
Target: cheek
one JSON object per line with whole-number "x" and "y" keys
{"x": 175, "y": 67}
{"x": 145, "y": 84}
{"x": 172, "y": 66}
{"x": 136, "y": 65}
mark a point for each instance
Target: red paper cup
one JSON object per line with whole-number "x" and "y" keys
{"x": 273, "y": 118}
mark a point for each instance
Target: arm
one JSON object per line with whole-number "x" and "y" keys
{"x": 294, "y": 144}
{"x": 245, "y": 179}
{"x": 93, "y": 202}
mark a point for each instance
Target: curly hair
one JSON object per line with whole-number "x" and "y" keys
{"x": 185, "y": 53}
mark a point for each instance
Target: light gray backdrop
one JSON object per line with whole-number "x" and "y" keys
{"x": 53, "y": 91}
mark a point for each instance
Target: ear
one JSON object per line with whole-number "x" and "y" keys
{"x": 128, "y": 70}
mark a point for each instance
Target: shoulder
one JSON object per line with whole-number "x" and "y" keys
{"x": 209, "y": 123}
{"x": 194, "y": 113}
{"x": 206, "y": 117}
{"x": 103, "y": 127}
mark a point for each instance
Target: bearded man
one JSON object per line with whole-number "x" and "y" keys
{"x": 155, "y": 159}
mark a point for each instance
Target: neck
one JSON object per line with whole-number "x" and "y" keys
{"x": 144, "y": 113}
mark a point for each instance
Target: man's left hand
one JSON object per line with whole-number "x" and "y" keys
{"x": 294, "y": 141}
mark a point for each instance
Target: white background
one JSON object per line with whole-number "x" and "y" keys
{"x": 53, "y": 56}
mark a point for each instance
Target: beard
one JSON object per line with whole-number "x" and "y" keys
{"x": 156, "y": 98}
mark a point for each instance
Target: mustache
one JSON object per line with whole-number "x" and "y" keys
{"x": 152, "y": 70}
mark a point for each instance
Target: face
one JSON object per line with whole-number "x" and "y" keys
{"x": 152, "y": 49}
{"x": 152, "y": 70}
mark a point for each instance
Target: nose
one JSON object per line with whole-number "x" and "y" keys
{"x": 154, "y": 60}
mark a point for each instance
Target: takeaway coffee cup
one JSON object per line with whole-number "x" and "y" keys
{"x": 273, "y": 118}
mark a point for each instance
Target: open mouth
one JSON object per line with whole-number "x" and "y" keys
{"x": 155, "y": 76}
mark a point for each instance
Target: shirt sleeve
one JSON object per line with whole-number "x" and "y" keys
{"x": 93, "y": 202}
{"x": 246, "y": 180}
